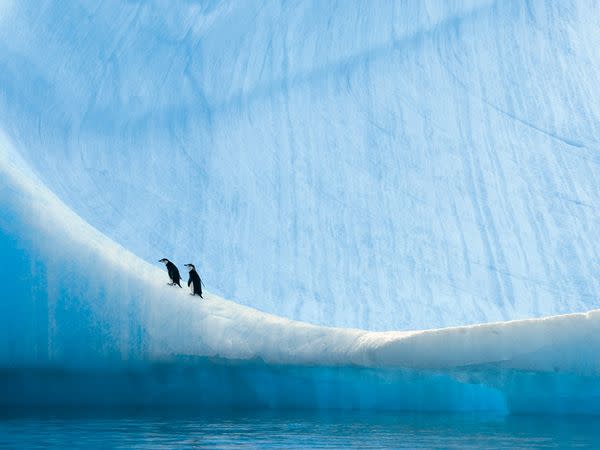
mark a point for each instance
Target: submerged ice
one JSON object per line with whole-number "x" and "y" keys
{"x": 409, "y": 165}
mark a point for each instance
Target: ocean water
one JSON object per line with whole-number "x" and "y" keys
{"x": 291, "y": 429}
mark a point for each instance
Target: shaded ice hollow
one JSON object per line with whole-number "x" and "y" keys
{"x": 413, "y": 166}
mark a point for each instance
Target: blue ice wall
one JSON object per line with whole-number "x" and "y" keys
{"x": 387, "y": 164}
{"x": 218, "y": 384}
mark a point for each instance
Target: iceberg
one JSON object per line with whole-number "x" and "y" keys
{"x": 99, "y": 326}
{"x": 340, "y": 171}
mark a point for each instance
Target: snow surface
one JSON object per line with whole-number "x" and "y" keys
{"x": 374, "y": 166}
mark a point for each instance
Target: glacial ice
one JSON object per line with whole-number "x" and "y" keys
{"x": 338, "y": 169}
{"x": 98, "y": 325}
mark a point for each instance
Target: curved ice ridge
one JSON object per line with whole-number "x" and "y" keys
{"x": 98, "y": 325}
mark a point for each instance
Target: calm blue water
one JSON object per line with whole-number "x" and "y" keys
{"x": 292, "y": 430}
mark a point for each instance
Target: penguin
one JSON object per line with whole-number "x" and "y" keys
{"x": 195, "y": 283}
{"x": 173, "y": 272}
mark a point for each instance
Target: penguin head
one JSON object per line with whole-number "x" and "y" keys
{"x": 190, "y": 267}
{"x": 164, "y": 261}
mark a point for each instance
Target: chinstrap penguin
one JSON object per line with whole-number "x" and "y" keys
{"x": 173, "y": 272}
{"x": 194, "y": 282}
